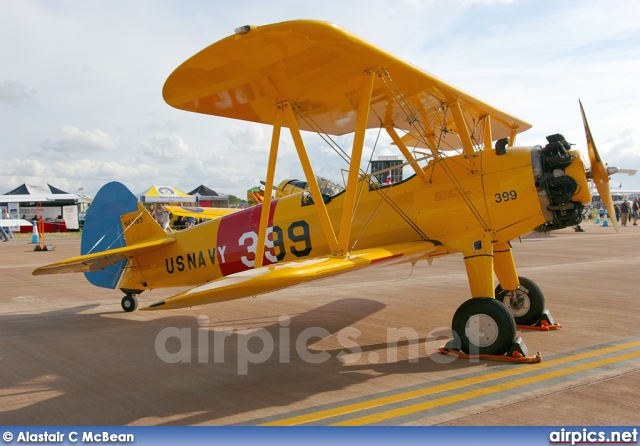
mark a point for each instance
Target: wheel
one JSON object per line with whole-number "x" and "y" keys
{"x": 484, "y": 327}
{"x": 526, "y": 304}
{"x": 129, "y": 303}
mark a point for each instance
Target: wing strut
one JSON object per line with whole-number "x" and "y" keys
{"x": 486, "y": 133}
{"x": 354, "y": 168}
{"x": 512, "y": 136}
{"x": 406, "y": 153}
{"x": 266, "y": 203}
{"x": 323, "y": 215}
{"x": 462, "y": 131}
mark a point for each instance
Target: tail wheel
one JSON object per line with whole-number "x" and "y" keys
{"x": 129, "y": 303}
{"x": 526, "y": 303}
{"x": 484, "y": 326}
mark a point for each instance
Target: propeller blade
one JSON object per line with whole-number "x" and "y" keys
{"x": 599, "y": 172}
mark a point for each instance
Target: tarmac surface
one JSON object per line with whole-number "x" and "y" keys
{"x": 355, "y": 349}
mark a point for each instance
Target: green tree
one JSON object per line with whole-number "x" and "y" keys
{"x": 235, "y": 201}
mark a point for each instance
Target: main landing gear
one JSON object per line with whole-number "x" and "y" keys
{"x": 484, "y": 326}
{"x": 129, "y": 303}
{"x": 526, "y": 303}
{"x": 487, "y": 326}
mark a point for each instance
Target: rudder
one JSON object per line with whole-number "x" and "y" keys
{"x": 103, "y": 230}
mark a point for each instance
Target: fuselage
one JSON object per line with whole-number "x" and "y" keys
{"x": 459, "y": 199}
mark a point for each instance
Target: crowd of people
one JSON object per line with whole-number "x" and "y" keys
{"x": 164, "y": 218}
{"x": 628, "y": 210}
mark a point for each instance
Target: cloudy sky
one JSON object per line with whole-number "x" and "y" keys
{"x": 81, "y": 82}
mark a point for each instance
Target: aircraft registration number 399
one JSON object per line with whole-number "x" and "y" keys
{"x": 237, "y": 240}
{"x": 506, "y": 196}
{"x": 297, "y": 233}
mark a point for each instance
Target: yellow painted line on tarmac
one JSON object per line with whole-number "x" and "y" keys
{"x": 394, "y": 413}
{"x": 391, "y": 399}
{"x": 15, "y": 284}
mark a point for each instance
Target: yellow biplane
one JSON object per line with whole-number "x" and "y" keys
{"x": 472, "y": 189}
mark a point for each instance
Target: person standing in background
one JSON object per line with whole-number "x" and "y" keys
{"x": 624, "y": 212}
{"x": 7, "y": 233}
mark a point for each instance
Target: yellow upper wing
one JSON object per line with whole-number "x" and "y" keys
{"x": 281, "y": 275}
{"x": 319, "y": 67}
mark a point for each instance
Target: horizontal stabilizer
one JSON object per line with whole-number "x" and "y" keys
{"x": 197, "y": 212}
{"x": 281, "y": 275}
{"x": 99, "y": 260}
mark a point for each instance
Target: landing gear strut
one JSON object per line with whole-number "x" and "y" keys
{"x": 526, "y": 303}
{"x": 129, "y": 303}
{"x": 484, "y": 326}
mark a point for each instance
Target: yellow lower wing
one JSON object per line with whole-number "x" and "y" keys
{"x": 274, "y": 277}
{"x": 100, "y": 260}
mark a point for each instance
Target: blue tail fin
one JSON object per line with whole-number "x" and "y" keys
{"x": 103, "y": 230}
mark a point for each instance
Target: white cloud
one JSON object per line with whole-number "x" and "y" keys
{"x": 622, "y": 146}
{"x": 70, "y": 176}
{"x": 421, "y": 4}
{"x": 249, "y": 138}
{"x": 102, "y": 68}
{"x": 15, "y": 93}
{"x": 76, "y": 141}
{"x": 167, "y": 147}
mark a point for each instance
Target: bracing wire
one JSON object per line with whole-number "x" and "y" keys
{"x": 421, "y": 131}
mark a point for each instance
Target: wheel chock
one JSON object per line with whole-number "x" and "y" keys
{"x": 453, "y": 344}
{"x": 44, "y": 247}
{"x": 545, "y": 323}
{"x": 546, "y": 316}
{"x": 518, "y": 349}
{"x": 514, "y": 356}
{"x": 518, "y": 353}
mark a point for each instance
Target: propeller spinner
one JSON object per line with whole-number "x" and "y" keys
{"x": 599, "y": 172}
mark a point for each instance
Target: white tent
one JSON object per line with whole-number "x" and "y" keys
{"x": 37, "y": 193}
{"x": 49, "y": 202}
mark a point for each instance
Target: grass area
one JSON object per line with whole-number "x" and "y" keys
{"x": 49, "y": 235}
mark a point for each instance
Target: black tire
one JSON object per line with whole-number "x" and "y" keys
{"x": 528, "y": 308}
{"x": 129, "y": 303}
{"x": 484, "y": 327}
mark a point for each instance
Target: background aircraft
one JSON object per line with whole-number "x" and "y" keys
{"x": 14, "y": 222}
{"x": 467, "y": 196}
{"x": 617, "y": 193}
